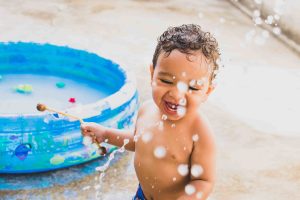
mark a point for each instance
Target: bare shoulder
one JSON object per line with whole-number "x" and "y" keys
{"x": 203, "y": 128}
{"x": 146, "y": 106}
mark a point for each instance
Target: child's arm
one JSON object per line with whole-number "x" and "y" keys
{"x": 203, "y": 155}
{"x": 113, "y": 136}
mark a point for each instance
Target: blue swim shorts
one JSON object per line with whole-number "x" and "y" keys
{"x": 139, "y": 194}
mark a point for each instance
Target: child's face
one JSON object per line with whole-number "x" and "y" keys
{"x": 180, "y": 83}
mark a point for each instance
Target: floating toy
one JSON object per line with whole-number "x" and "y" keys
{"x": 24, "y": 89}
{"x": 72, "y": 100}
{"x": 60, "y": 84}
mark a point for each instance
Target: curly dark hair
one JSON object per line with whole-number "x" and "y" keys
{"x": 187, "y": 38}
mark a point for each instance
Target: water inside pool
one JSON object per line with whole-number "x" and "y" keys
{"x": 44, "y": 90}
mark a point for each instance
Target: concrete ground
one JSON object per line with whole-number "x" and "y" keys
{"x": 254, "y": 110}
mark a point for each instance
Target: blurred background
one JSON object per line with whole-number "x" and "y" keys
{"x": 254, "y": 110}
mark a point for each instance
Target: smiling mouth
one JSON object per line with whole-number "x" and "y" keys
{"x": 171, "y": 108}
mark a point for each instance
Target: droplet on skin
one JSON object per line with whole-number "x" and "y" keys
{"x": 195, "y": 137}
{"x": 146, "y": 137}
{"x": 181, "y": 110}
{"x": 183, "y": 74}
{"x": 160, "y": 125}
{"x": 160, "y": 152}
{"x": 183, "y": 169}
{"x": 192, "y": 83}
{"x": 173, "y": 125}
{"x": 200, "y": 82}
{"x": 174, "y": 77}
{"x": 135, "y": 138}
{"x": 164, "y": 117}
{"x": 189, "y": 189}
{"x": 174, "y": 179}
{"x": 196, "y": 170}
{"x": 199, "y": 195}
{"x": 152, "y": 186}
{"x": 182, "y": 102}
{"x": 182, "y": 87}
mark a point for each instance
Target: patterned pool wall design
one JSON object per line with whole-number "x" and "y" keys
{"x": 46, "y": 141}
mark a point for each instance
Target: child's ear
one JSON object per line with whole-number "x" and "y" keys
{"x": 211, "y": 88}
{"x": 151, "y": 71}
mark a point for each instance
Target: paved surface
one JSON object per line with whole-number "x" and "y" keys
{"x": 254, "y": 110}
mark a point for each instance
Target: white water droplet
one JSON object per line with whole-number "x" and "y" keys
{"x": 195, "y": 137}
{"x": 200, "y": 15}
{"x": 87, "y": 140}
{"x": 181, "y": 110}
{"x": 200, "y": 82}
{"x": 126, "y": 141}
{"x": 258, "y": 20}
{"x": 199, "y": 195}
{"x": 192, "y": 83}
{"x": 189, "y": 189}
{"x": 160, "y": 152}
{"x": 256, "y": 13}
{"x": 222, "y": 20}
{"x": 182, "y": 87}
{"x": 146, "y": 137}
{"x": 86, "y": 187}
{"x": 161, "y": 125}
{"x": 135, "y": 138}
{"x": 196, "y": 170}
{"x": 183, "y": 169}
{"x": 174, "y": 179}
{"x": 154, "y": 83}
{"x": 174, "y": 77}
{"x": 173, "y": 125}
{"x": 182, "y": 101}
{"x": 265, "y": 34}
{"x": 183, "y": 74}
{"x": 269, "y": 20}
{"x": 277, "y": 30}
{"x": 258, "y": 1}
{"x": 164, "y": 117}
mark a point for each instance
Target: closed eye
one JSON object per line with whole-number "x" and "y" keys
{"x": 194, "y": 89}
{"x": 166, "y": 81}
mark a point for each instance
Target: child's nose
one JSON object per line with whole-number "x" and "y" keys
{"x": 177, "y": 94}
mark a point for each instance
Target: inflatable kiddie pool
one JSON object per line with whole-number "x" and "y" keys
{"x": 74, "y": 81}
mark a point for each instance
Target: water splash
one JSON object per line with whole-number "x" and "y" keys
{"x": 104, "y": 167}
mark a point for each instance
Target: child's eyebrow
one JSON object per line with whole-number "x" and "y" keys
{"x": 164, "y": 74}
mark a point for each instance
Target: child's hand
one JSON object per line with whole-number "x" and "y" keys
{"x": 95, "y": 131}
